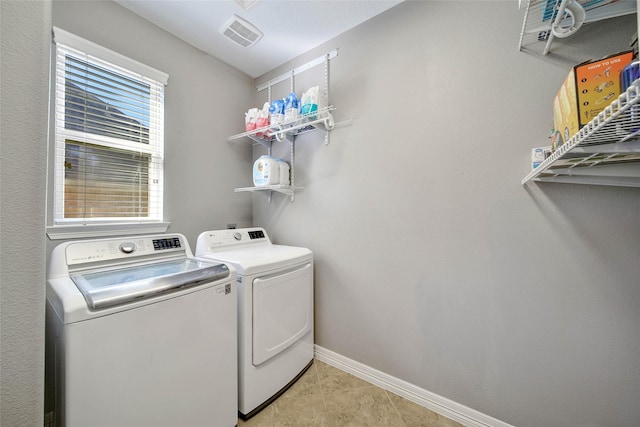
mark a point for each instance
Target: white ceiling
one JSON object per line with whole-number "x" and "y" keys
{"x": 290, "y": 27}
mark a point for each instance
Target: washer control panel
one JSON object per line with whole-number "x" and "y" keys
{"x": 91, "y": 251}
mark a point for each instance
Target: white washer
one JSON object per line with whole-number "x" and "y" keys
{"x": 275, "y": 311}
{"x": 140, "y": 333}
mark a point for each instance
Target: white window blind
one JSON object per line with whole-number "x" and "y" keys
{"x": 109, "y": 136}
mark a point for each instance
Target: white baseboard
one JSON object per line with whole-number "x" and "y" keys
{"x": 443, "y": 406}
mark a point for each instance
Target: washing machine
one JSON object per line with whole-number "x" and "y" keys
{"x": 139, "y": 333}
{"x": 275, "y": 311}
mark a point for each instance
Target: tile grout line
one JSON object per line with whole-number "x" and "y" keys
{"x": 324, "y": 401}
{"x": 386, "y": 393}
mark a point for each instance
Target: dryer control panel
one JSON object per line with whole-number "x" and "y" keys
{"x": 256, "y": 234}
{"x": 214, "y": 240}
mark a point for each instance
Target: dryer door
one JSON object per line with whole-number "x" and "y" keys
{"x": 282, "y": 310}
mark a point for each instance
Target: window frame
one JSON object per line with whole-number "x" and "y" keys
{"x": 62, "y": 228}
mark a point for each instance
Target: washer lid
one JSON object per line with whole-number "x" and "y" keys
{"x": 107, "y": 288}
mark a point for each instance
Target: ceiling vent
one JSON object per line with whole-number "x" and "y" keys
{"x": 246, "y": 4}
{"x": 241, "y": 32}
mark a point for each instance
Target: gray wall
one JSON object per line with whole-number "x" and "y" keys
{"x": 201, "y": 167}
{"x": 434, "y": 264}
{"x": 24, "y": 94}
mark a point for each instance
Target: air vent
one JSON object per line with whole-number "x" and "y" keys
{"x": 247, "y": 4}
{"x": 240, "y": 31}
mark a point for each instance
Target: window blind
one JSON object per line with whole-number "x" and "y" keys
{"x": 109, "y": 136}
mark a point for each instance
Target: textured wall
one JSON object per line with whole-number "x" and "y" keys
{"x": 434, "y": 264}
{"x": 25, "y": 52}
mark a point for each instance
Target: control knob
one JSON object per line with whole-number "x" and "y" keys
{"x": 127, "y": 247}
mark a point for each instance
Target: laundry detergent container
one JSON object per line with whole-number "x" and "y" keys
{"x": 285, "y": 173}
{"x": 266, "y": 171}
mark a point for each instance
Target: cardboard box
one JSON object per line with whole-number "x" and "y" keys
{"x": 588, "y": 89}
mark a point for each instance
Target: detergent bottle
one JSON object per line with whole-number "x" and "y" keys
{"x": 266, "y": 171}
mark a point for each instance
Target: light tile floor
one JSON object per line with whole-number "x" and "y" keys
{"x": 328, "y": 397}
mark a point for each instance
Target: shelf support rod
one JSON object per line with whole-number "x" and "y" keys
{"x": 524, "y": 22}
{"x": 326, "y": 92}
{"x": 292, "y": 167}
{"x": 297, "y": 70}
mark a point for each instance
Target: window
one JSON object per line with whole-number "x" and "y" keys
{"x": 109, "y": 138}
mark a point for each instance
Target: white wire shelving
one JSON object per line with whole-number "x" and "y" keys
{"x": 604, "y": 152}
{"x": 320, "y": 120}
{"x": 536, "y": 35}
{"x": 289, "y": 190}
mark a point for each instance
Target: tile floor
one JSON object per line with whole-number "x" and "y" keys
{"x": 328, "y": 397}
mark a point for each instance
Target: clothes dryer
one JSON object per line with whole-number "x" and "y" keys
{"x": 275, "y": 311}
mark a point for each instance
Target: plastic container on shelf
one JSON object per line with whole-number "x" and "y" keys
{"x": 266, "y": 171}
{"x": 277, "y": 111}
{"x": 263, "y": 118}
{"x": 284, "y": 172}
{"x": 291, "y": 108}
{"x": 250, "y": 119}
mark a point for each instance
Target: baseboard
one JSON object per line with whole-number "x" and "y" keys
{"x": 443, "y": 406}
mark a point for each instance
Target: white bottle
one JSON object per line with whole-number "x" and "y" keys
{"x": 266, "y": 171}
{"x": 285, "y": 178}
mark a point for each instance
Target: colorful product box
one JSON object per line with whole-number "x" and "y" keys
{"x": 588, "y": 89}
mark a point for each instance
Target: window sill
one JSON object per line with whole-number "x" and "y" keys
{"x": 61, "y": 232}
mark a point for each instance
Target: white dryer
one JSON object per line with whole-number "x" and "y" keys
{"x": 275, "y": 311}
{"x": 140, "y": 333}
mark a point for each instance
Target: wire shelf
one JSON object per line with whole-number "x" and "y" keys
{"x": 305, "y": 123}
{"x": 536, "y": 35}
{"x": 604, "y": 152}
